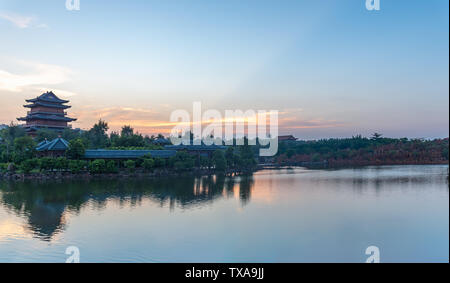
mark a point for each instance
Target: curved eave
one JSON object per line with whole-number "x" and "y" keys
{"x": 47, "y": 100}
{"x": 62, "y": 119}
{"x": 36, "y": 104}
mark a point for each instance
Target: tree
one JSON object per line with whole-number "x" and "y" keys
{"x": 376, "y": 136}
{"x": 46, "y": 163}
{"x": 76, "y": 166}
{"x": 76, "y": 149}
{"x": 130, "y": 165}
{"x": 23, "y": 148}
{"x": 97, "y": 135}
{"x": 229, "y": 156}
{"x": 27, "y": 165}
{"x": 45, "y": 134}
{"x": 97, "y": 166}
{"x": 61, "y": 163}
{"x": 148, "y": 164}
{"x": 247, "y": 158}
{"x": 111, "y": 166}
{"x": 220, "y": 163}
{"x": 159, "y": 162}
{"x": 290, "y": 152}
{"x": 8, "y": 135}
{"x": 127, "y": 131}
{"x": 69, "y": 134}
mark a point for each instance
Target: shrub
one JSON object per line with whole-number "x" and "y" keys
{"x": 130, "y": 165}
{"x": 27, "y": 165}
{"x": 46, "y": 163}
{"x": 97, "y": 166}
{"x": 111, "y": 167}
{"x": 148, "y": 164}
{"x": 61, "y": 163}
{"x": 159, "y": 162}
{"x": 220, "y": 163}
{"x": 76, "y": 166}
{"x": 76, "y": 149}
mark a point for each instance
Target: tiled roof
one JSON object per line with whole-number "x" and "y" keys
{"x": 125, "y": 154}
{"x": 48, "y": 97}
{"x": 162, "y": 141}
{"x": 56, "y": 144}
{"x": 39, "y": 103}
{"x": 46, "y": 117}
{"x": 195, "y": 147}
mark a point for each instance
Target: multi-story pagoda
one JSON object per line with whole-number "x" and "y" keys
{"x": 46, "y": 111}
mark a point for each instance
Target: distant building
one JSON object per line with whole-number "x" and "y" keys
{"x": 46, "y": 111}
{"x": 162, "y": 141}
{"x": 286, "y": 138}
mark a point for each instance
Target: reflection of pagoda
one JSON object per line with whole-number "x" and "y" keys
{"x": 46, "y": 111}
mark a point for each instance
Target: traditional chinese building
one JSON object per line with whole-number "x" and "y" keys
{"x": 46, "y": 111}
{"x": 54, "y": 148}
{"x": 286, "y": 138}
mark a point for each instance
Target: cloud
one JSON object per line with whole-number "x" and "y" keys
{"x": 36, "y": 75}
{"x": 142, "y": 120}
{"x": 21, "y": 21}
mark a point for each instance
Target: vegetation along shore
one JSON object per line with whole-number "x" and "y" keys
{"x": 26, "y": 157}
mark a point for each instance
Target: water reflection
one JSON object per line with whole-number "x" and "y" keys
{"x": 45, "y": 204}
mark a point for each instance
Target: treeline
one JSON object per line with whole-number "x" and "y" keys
{"x": 358, "y": 150}
{"x": 233, "y": 160}
{"x": 16, "y": 145}
{"x": 18, "y": 151}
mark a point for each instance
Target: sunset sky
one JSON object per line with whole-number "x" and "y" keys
{"x": 332, "y": 68}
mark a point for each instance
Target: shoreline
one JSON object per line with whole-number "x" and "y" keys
{"x": 64, "y": 175}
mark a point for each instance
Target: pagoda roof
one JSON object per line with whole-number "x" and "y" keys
{"x": 49, "y": 96}
{"x": 38, "y": 127}
{"x": 39, "y": 103}
{"x": 56, "y": 144}
{"x": 46, "y": 117}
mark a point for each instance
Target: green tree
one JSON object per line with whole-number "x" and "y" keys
{"x": 159, "y": 162}
{"x": 148, "y": 164}
{"x": 61, "y": 163}
{"x": 76, "y": 149}
{"x": 130, "y": 165}
{"x": 98, "y": 166}
{"x": 8, "y": 135}
{"x": 46, "y": 163}
{"x": 28, "y": 165}
{"x": 220, "y": 163}
{"x": 111, "y": 166}
{"x": 97, "y": 135}
{"x": 46, "y": 134}
{"x": 70, "y": 134}
{"x": 24, "y": 148}
{"x": 76, "y": 166}
{"x": 127, "y": 131}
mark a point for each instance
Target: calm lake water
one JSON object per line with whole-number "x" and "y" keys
{"x": 288, "y": 215}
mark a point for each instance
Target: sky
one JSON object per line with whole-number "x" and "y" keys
{"x": 331, "y": 68}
